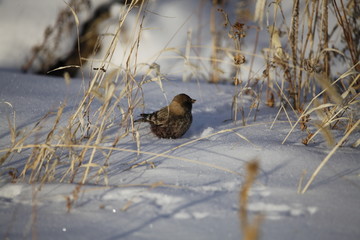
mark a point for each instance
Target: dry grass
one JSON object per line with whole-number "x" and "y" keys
{"x": 301, "y": 64}
{"x": 86, "y": 127}
{"x": 298, "y": 78}
{"x": 300, "y": 73}
{"x": 326, "y": 159}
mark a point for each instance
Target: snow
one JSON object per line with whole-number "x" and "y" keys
{"x": 181, "y": 197}
{"x": 193, "y": 192}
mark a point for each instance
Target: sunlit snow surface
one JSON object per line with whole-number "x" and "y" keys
{"x": 180, "y": 199}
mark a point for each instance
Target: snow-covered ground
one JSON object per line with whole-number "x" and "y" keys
{"x": 193, "y": 192}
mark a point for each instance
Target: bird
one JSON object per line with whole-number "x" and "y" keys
{"x": 173, "y": 120}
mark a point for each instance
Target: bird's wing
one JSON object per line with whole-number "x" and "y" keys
{"x": 160, "y": 117}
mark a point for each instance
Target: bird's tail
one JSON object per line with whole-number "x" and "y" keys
{"x": 144, "y": 117}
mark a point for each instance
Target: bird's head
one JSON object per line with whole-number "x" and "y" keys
{"x": 181, "y": 103}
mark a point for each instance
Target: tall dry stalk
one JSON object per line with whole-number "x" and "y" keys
{"x": 214, "y": 44}
{"x": 325, "y": 40}
{"x": 237, "y": 33}
{"x": 348, "y": 20}
{"x": 294, "y": 81}
{"x": 215, "y": 41}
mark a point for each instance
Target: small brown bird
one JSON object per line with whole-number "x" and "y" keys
{"x": 173, "y": 120}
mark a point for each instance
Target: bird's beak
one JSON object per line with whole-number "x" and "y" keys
{"x": 193, "y": 100}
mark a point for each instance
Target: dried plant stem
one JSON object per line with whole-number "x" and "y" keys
{"x": 294, "y": 91}
{"x": 127, "y": 150}
{"x": 308, "y": 108}
{"x": 326, "y": 159}
{"x": 250, "y": 230}
{"x": 325, "y": 38}
{"x": 201, "y": 138}
{"x": 214, "y": 43}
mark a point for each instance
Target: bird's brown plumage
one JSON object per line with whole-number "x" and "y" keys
{"x": 173, "y": 120}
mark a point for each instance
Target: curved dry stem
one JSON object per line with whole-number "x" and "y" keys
{"x": 155, "y": 155}
{"x": 326, "y": 159}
